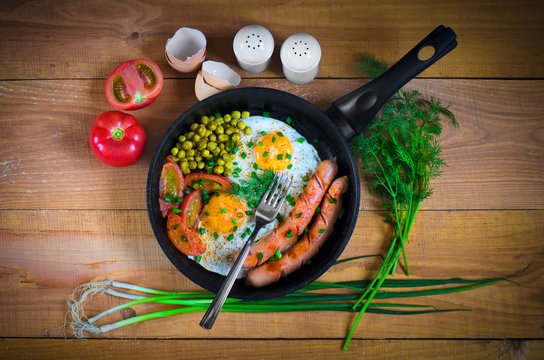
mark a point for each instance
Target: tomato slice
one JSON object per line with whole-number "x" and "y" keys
{"x": 134, "y": 84}
{"x": 209, "y": 182}
{"x": 170, "y": 186}
{"x": 184, "y": 239}
{"x": 190, "y": 209}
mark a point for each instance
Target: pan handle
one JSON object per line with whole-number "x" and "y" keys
{"x": 354, "y": 111}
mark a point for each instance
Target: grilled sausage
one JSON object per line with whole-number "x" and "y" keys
{"x": 300, "y": 216}
{"x": 308, "y": 246}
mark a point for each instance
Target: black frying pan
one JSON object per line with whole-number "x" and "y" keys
{"x": 347, "y": 117}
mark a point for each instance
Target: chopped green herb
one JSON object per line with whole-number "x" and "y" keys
{"x": 230, "y": 237}
{"x": 198, "y": 258}
{"x": 305, "y": 178}
{"x": 260, "y": 143}
{"x": 332, "y": 200}
{"x": 306, "y": 229}
{"x": 279, "y": 218}
{"x": 289, "y": 120}
{"x": 280, "y": 156}
{"x": 243, "y": 235}
{"x": 290, "y": 199}
{"x": 265, "y": 154}
{"x": 187, "y": 191}
{"x": 206, "y": 213}
{"x": 299, "y": 215}
{"x": 266, "y": 114}
{"x": 215, "y": 235}
{"x": 179, "y": 199}
{"x": 301, "y": 140}
{"x": 276, "y": 256}
{"x": 263, "y": 132}
{"x": 175, "y": 227}
{"x": 248, "y": 212}
{"x": 244, "y": 155}
{"x": 255, "y": 166}
{"x": 223, "y": 210}
{"x": 201, "y": 182}
{"x": 176, "y": 210}
{"x": 260, "y": 255}
{"x": 234, "y": 150}
{"x": 273, "y": 139}
{"x": 280, "y": 134}
{"x": 321, "y": 231}
{"x": 234, "y": 221}
{"x": 234, "y": 228}
{"x": 288, "y": 156}
{"x": 210, "y": 170}
{"x": 202, "y": 231}
{"x": 289, "y": 233}
{"x": 217, "y": 115}
{"x": 184, "y": 238}
{"x": 289, "y": 166}
{"x": 341, "y": 214}
{"x": 249, "y": 144}
{"x": 318, "y": 210}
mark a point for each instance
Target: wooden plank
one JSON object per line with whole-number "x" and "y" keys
{"x": 45, "y": 254}
{"x": 502, "y": 39}
{"x": 495, "y": 158}
{"x": 269, "y": 349}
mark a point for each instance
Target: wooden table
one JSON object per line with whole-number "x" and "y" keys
{"x": 66, "y": 218}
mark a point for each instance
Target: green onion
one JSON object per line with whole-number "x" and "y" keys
{"x": 202, "y": 231}
{"x": 215, "y": 235}
{"x": 223, "y": 210}
{"x": 198, "y": 258}
{"x": 289, "y": 166}
{"x": 187, "y": 191}
{"x": 248, "y": 212}
{"x": 341, "y": 214}
{"x": 280, "y": 134}
{"x": 299, "y": 215}
{"x": 301, "y": 140}
{"x": 289, "y": 233}
{"x": 318, "y": 210}
{"x": 276, "y": 256}
{"x": 305, "y": 178}
{"x": 266, "y": 114}
{"x": 332, "y": 200}
{"x": 315, "y": 140}
{"x": 244, "y": 155}
{"x": 175, "y": 227}
{"x": 231, "y": 236}
{"x": 265, "y": 153}
{"x": 260, "y": 255}
{"x": 321, "y": 231}
{"x": 263, "y": 132}
{"x": 273, "y": 139}
{"x": 176, "y": 210}
{"x": 255, "y": 166}
{"x": 206, "y": 213}
{"x": 260, "y": 143}
{"x": 288, "y": 156}
{"x": 249, "y": 144}
{"x": 179, "y": 199}
{"x": 279, "y": 217}
{"x": 234, "y": 228}
{"x": 280, "y": 156}
{"x": 289, "y": 120}
{"x": 306, "y": 229}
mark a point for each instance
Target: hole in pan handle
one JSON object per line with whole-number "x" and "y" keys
{"x": 354, "y": 111}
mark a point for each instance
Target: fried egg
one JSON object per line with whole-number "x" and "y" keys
{"x": 227, "y": 221}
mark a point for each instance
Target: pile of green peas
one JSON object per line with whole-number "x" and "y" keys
{"x": 211, "y": 144}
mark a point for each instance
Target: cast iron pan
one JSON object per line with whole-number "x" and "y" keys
{"x": 347, "y": 117}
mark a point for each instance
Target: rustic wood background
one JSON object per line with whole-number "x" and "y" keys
{"x": 66, "y": 219}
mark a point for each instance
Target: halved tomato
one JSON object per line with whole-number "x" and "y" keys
{"x": 184, "y": 239}
{"x": 190, "y": 208}
{"x": 134, "y": 84}
{"x": 209, "y": 182}
{"x": 170, "y": 187}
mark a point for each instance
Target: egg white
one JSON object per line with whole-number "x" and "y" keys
{"x": 219, "y": 256}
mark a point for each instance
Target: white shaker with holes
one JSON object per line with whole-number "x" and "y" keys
{"x": 253, "y": 46}
{"x": 300, "y": 54}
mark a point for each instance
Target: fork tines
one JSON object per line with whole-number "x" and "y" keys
{"x": 278, "y": 190}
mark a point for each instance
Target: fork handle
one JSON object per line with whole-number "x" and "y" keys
{"x": 215, "y": 307}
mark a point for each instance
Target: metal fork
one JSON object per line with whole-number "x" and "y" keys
{"x": 266, "y": 212}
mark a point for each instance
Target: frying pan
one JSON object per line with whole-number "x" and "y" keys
{"x": 332, "y": 129}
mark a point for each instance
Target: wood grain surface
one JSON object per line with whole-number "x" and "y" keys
{"x": 67, "y": 219}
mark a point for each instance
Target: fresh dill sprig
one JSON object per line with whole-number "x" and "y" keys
{"x": 400, "y": 155}
{"x": 254, "y": 188}
{"x": 369, "y": 65}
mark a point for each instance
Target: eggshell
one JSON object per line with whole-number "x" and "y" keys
{"x": 219, "y": 75}
{"x": 203, "y": 90}
{"x": 186, "y": 50}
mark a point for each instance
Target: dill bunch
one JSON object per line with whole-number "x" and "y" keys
{"x": 253, "y": 189}
{"x": 400, "y": 153}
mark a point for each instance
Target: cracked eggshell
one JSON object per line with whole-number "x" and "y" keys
{"x": 213, "y": 78}
{"x": 186, "y": 50}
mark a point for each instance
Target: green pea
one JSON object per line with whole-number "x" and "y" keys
{"x": 174, "y": 151}
{"x": 212, "y": 126}
{"x": 198, "y": 158}
{"x": 190, "y": 134}
{"x": 179, "y": 145}
{"x": 211, "y": 145}
{"x": 247, "y": 131}
{"x": 245, "y": 114}
{"x": 218, "y": 169}
{"x": 227, "y": 117}
{"x": 182, "y": 138}
{"x": 184, "y": 166}
{"x": 191, "y": 152}
{"x": 220, "y": 120}
{"x": 187, "y": 145}
{"x": 227, "y": 172}
{"x": 226, "y": 157}
{"x": 212, "y": 138}
{"x": 221, "y": 162}
{"x": 235, "y": 137}
{"x": 241, "y": 125}
{"x": 229, "y": 131}
{"x": 204, "y": 120}
{"x": 233, "y": 123}
{"x": 192, "y": 165}
{"x": 216, "y": 151}
{"x": 181, "y": 154}
{"x": 223, "y": 137}
{"x": 235, "y": 114}
{"x": 219, "y": 130}
{"x": 196, "y": 138}
{"x": 205, "y": 153}
{"x": 222, "y": 146}
{"x": 229, "y": 165}
{"x": 200, "y": 165}
{"x": 201, "y": 131}
{"x": 189, "y": 158}
{"x": 193, "y": 126}
{"x": 175, "y": 159}
{"x": 202, "y": 144}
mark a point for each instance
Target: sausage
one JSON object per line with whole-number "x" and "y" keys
{"x": 308, "y": 246}
{"x": 300, "y": 216}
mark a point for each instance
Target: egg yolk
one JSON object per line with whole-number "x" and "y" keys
{"x": 273, "y": 151}
{"x": 223, "y": 214}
